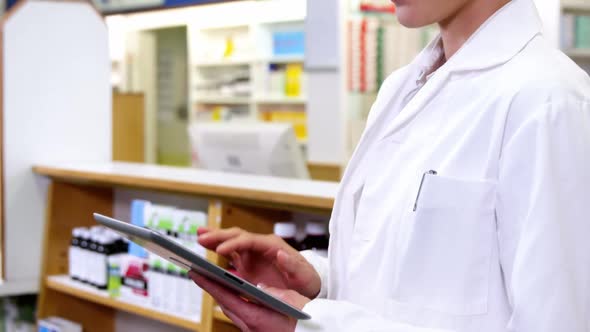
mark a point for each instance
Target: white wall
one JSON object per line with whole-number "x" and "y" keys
{"x": 56, "y": 106}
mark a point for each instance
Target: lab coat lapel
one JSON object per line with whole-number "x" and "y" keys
{"x": 389, "y": 95}
{"x": 384, "y": 104}
{"x": 418, "y": 103}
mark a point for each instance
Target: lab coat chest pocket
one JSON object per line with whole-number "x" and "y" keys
{"x": 445, "y": 262}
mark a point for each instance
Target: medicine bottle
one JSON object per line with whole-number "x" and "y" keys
{"x": 287, "y": 231}
{"x": 74, "y": 255}
{"x": 316, "y": 238}
{"x": 84, "y": 255}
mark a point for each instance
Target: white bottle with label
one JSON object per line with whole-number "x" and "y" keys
{"x": 83, "y": 255}
{"x": 93, "y": 259}
{"x": 74, "y": 254}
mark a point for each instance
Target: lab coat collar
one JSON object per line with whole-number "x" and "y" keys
{"x": 500, "y": 38}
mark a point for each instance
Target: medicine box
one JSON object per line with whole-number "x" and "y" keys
{"x": 288, "y": 43}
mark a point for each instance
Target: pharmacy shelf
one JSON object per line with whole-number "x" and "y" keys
{"x": 221, "y": 100}
{"x": 579, "y": 54}
{"x": 576, "y": 6}
{"x": 281, "y": 100}
{"x": 198, "y": 182}
{"x": 63, "y": 284}
{"x": 223, "y": 63}
{"x": 286, "y": 59}
{"x": 219, "y": 315}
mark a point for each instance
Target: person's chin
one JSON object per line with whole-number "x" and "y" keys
{"x": 410, "y": 19}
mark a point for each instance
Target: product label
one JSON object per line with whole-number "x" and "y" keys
{"x": 101, "y": 270}
{"x": 137, "y": 285}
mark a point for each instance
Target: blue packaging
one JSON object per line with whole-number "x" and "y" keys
{"x": 288, "y": 43}
{"x": 138, "y": 208}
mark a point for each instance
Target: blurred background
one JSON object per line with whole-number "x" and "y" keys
{"x": 267, "y": 87}
{"x": 314, "y": 65}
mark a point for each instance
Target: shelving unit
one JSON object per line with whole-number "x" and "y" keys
{"x": 223, "y": 63}
{"x": 576, "y": 6}
{"x": 250, "y": 24}
{"x": 286, "y": 59}
{"x": 281, "y": 100}
{"x": 76, "y": 191}
{"x": 63, "y": 284}
{"x": 221, "y": 100}
{"x": 250, "y": 62}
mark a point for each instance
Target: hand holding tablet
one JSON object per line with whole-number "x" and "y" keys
{"x": 217, "y": 278}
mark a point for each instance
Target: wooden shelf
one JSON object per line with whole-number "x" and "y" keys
{"x": 261, "y": 190}
{"x": 219, "y": 315}
{"x": 221, "y": 100}
{"x": 63, "y": 284}
{"x": 578, "y": 53}
{"x": 576, "y": 6}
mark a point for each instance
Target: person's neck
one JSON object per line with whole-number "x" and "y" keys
{"x": 457, "y": 29}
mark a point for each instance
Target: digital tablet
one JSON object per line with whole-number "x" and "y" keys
{"x": 185, "y": 258}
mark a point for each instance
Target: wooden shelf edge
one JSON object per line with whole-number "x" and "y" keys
{"x": 62, "y": 284}
{"x": 219, "y": 315}
{"x": 262, "y": 197}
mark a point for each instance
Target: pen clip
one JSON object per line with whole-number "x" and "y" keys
{"x": 431, "y": 172}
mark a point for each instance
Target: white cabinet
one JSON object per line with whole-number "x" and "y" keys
{"x": 56, "y": 105}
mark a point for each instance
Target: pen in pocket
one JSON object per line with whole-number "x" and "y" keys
{"x": 431, "y": 172}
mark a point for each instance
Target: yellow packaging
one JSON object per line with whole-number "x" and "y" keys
{"x": 293, "y": 75}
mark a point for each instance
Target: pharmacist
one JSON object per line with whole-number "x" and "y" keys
{"x": 466, "y": 206}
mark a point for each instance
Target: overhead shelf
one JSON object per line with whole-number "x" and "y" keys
{"x": 63, "y": 284}
{"x": 579, "y": 54}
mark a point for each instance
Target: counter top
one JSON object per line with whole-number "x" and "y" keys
{"x": 253, "y": 188}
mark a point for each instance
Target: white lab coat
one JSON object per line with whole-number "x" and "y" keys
{"x": 500, "y": 238}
